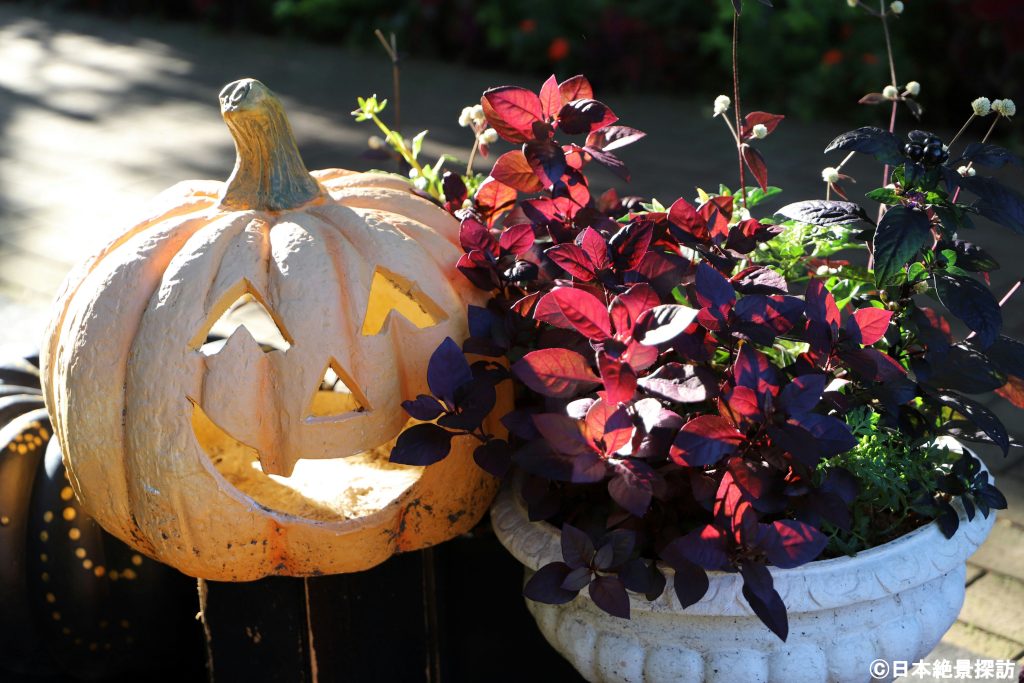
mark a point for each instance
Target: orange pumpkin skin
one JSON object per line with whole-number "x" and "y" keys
{"x": 166, "y": 447}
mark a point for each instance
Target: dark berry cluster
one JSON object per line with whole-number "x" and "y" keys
{"x": 927, "y": 151}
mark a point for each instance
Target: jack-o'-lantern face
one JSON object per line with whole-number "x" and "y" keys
{"x": 242, "y": 459}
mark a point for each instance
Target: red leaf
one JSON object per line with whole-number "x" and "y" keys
{"x": 740, "y": 405}
{"x": 573, "y": 260}
{"x": 683, "y": 216}
{"x": 868, "y": 325}
{"x": 550, "y": 98}
{"x": 595, "y": 246}
{"x": 716, "y": 212}
{"x": 704, "y": 440}
{"x": 585, "y": 311}
{"x": 575, "y": 88}
{"x": 626, "y": 308}
{"x": 559, "y": 373}
{"x": 517, "y": 239}
{"x": 514, "y": 170}
{"x": 547, "y": 311}
{"x": 512, "y": 111}
{"x": 473, "y": 235}
{"x": 1013, "y": 391}
{"x": 630, "y": 244}
{"x": 609, "y": 425}
{"x": 619, "y": 379}
{"x": 493, "y": 198}
{"x": 769, "y": 121}
{"x": 755, "y": 162}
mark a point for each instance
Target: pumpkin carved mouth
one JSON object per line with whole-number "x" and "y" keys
{"x": 319, "y": 489}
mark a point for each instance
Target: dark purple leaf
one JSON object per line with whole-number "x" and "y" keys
{"x": 584, "y": 116}
{"x": 715, "y": 294}
{"x": 1008, "y": 355}
{"x": 972, "y": 302}
{"x": 421, "y": 445}
{"x": 962, "y": 368}
{"x": 876, "y": 142}
{"x": 613, "y": 137}
{"x": 900, "y": 235}
{"x": 802, "y": 394}
{"x": 789, "y": 543}
{"x": 538, "y": 458}
{"x": 705, "y": 547}
{"x": 662, "y": 324}
{"x": 610, "y": 595}
{"x": 705, "y": 440}
{"x": 494, "y": 457}
{"x": 610, "y": 161}
{"x": 760, "y": 593}
{"x": 759, "y": 280}
{"x": 559, "y": 373}
{"x": 681, "y": 383}
{"x": 992, "y": 156}
{"x": 821, "y": 305}
{"x": 982, "y": 418}
{"x": 447, "y": 370}
{"x": 753, "y": 370}
{"x": 563, "y": 433}
{"x": 547, "y": 160}
{"x": 764, "y": 317}
{"x": 644, "y": 577}
{"x": 424, "y": 408}
{"x": 546, "y": 585}
{"x": 996, "y": 201}
{"x": 520, "y": 423}
{"x": 690, "y": 582}
{"x": 578, "y": 579}
{"x": 632, "y": 486}
{"x": 577, "y": 547}
{"x": 831, "y": 433}
{"x": 824, "y": 213}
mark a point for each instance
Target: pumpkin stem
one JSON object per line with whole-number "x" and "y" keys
{"x": 269, "y": 174}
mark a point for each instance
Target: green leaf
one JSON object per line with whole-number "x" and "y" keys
{"x": 884, "y": 196}
{"x": 900, "y": 235}
{"x": 417, "y": 144}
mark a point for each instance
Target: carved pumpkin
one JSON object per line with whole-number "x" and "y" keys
{"x": 73, "y": 599}
{"x": 247, "y": 461}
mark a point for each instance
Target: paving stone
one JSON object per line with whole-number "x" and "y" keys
{"x": 973, "y": 572}
{"x": 981, "y": 643}
{"x": 993, "y": 603}
{"x": 1003, "y": 551}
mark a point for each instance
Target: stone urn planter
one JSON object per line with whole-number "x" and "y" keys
{"x": 892, "y": 602}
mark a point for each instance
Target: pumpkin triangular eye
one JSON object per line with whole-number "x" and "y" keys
{"x": 242, "y": 306}
{"x": 337, "y": 395}
{"x": 391, "y": 292}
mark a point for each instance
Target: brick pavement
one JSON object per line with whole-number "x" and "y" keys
{"x": 97, "y": 116}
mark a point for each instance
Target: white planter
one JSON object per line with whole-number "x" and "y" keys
{"x": 893, "y": 602}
